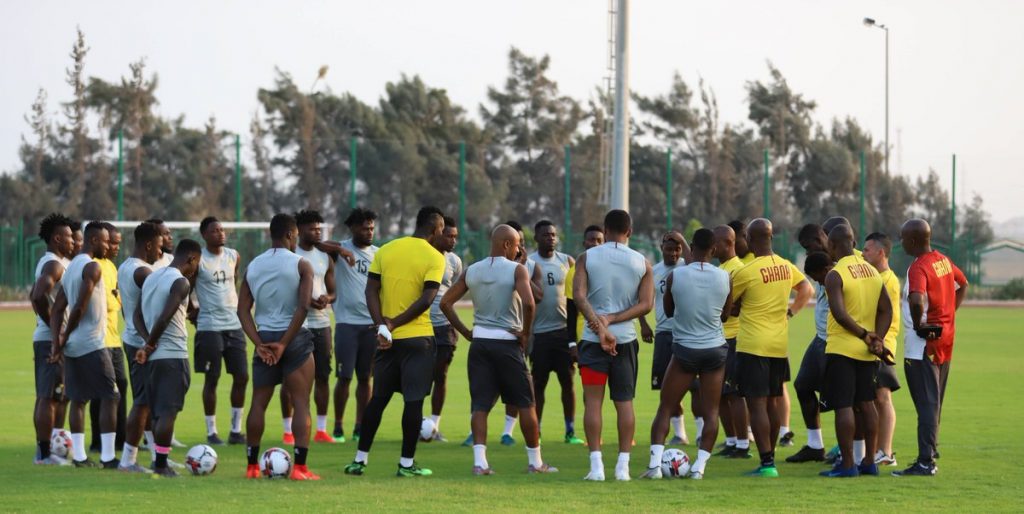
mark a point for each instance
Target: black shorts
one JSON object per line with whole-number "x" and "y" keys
{"x": 321, "y": 353}
{"x": 445, "y": 335}
{"x": 117, "y": 361}
{"x": 886, "y": 377}
{"x": 354, "y": 348}
{"x": 90, "y": 377}
{"x": 811, "y": 375}
{"x": 848, "y": 381}
{"x": 294, "y": 356}
{"x": 620, "y": 369}
{"x": 498, "y": 368}
{"x": 662, "y": 356}
{"x": 167, "y": 382}
{"x": 444, "y": 356}
{"x": 758, "y": 377}
{"x": 729, "y": 387}
{"x": 700, "y": 360}
{"x": 138, "y": 374}
{"x": 49, "y": 375}
{"x": 551, "y": 352}
{"x": 407, "y": 367}
{"x": 212, "y": 346}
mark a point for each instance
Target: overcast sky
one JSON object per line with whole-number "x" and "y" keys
{"x": 957, "y": 68}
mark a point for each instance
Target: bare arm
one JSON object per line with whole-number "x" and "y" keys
{"x": 727, "y": 308}
{"x": 804, "y": 291}
{"x": 336, "y": 251}
{"x": 179, "y": 292}
{"x": 419, "y": 306}
{"x": 39, "y": 296}
{"x": 916, "y": 302}
{"x": 580, "y": 286}
{"x": 329, "y": 282}
{"x": 454, "y": 294}
{"x": 60, "y": 304}
{"x": 537, "y": 291}
{"x": 961, "y": 293}
{"x": 91, "y": 275}
{"x": 669, "y": 302}
{"x": 245, "y": 303}
{"x": 645, "y": 300}
{"x": 529, "y": 307}
{"x": 883, "y": 314}
{"x": 373, "y": 298}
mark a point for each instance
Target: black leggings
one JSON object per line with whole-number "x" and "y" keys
{"x": 412, "y": 417}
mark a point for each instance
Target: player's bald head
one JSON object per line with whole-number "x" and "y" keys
{"x": 503, "y": 233}
{"x": 915, "y": 237}
{"x": 840, "y": 234}
{"x": 834, "y": 222}
{"x": 759, "y": 230}
{"x": 724, "y": 233}
{"x": 840, "y": 241}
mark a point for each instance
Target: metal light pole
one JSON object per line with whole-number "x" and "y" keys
{"x": 870, "y": 22}
{"x": 620, "y": 148}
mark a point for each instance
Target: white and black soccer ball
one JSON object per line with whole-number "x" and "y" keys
{"x": 276, "y": 463}
{"x": 60, "y": 444}
{"x": 675, "y": 463}
{"x": 427, "y": 430}
{"x": 201, "y": 460}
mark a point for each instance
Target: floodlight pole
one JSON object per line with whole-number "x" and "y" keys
{"x": 870, "y": 22}
{"x": 620, "y": 148}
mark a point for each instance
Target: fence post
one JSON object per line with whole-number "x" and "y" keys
{"x": 238, "y": 178}
{"x": 19, "y": 254}
{"x": 352, "y": 146}
{"x": 120, "y": 175}
{"x": 568, "y": 202}
{"x": 462, "y": 188}
{"x": 668, "y": 190}
{"x": 860, "y": 230}
{"x": 952, "y": 235}
{"x": 767, "y": 198}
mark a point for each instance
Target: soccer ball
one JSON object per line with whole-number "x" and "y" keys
{"x": 201, "y": 460}
{"x": 675, "y": 463}
{"x": 427, "y": 430}
{"x": 60, "y": 444}
{"x": 276, "y": 463}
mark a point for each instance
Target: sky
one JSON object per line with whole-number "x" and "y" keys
{"x": 956, "y": 68}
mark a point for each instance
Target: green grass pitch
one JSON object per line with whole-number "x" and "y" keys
{"x": 981, "y": 447}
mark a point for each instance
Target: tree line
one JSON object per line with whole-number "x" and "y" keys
{"x": 297, "y": 155}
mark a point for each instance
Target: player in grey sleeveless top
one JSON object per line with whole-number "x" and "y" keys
{"x": 55, "y": 231}
{"x": 318, "y": 321}
{"x": 503, "y": 311}
{"x": 88, "y": 370}
{"x": 550, "y": 351}
{"x": 613, "y": 286}
{"x": 160, "y": 320}
{"x": 704, "y": 302}
{"x": 445, "y": 336}
{"x": 276, "y": 294}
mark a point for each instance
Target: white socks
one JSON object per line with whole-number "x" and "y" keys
{"x": 405, "y": 462}
{"x": 533, "y": 455}
{"x": 510, "y": 424}
{"x": 211, "y": 425}
{"x": 55, "y": 431}
{"x": 743, "y": 444}
{"x": 702, "y": 460}
{"x": 814, "y": 440}
{"x": 783, "y": 431}
{"x": 150, "y": 442}
{"x": 321, "y": 423}
{"x": 699, "y": 421}
{"x": 78, "y": 447}
{"x": 622, "y": 467}
{"x": 657, "y": 450}
{"x": 129, "y": 455}
{"x": 596, "y": 464}
{"x": 107, "y": 449}
{"x": 287, "y": 424}
{"x": 730, "y": 441}
{"x": 858, "y": 451}
{"x": 677, "y": 426}
{"x": 480, "y": 456}
{"x": 236, "y": 420}
{"x": 362, "y": 456}
{"x": 437, "y": 421}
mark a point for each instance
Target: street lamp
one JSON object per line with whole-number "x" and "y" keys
{"x": 870, "y": 22}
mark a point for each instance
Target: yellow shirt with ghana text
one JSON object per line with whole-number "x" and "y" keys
{"x": 763, "y": 287}
{"x": 748, "y": 258}
{"x": 892, "y": 285}
{"x": 731, "y": 328}
{"x": 862, "y": 287}
{"x": 403, "y": 266}
{"x": 112, "y": 334}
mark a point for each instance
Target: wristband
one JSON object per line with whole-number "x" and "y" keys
{"x": 382, "y": 330}
{"x": 572, "y": 344}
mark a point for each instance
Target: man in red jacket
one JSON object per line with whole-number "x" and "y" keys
{"x": 934, "y": 290}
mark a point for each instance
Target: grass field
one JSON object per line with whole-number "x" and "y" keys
{"x": 981, "y": 447}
